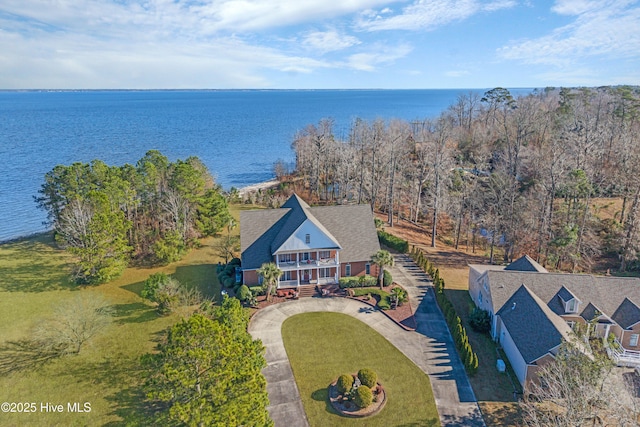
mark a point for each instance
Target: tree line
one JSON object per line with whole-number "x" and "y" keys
{"x": 152, "y": 212}
{"x": 519, "y": 173}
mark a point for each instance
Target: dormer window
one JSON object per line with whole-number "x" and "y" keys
{"x": 307, "y": 238}
{"x": 572, "y": 306}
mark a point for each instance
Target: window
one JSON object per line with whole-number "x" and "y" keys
{"x": 285, "y": 258}
{"x": 325, "y": 272}
{"x": 485, "y": 284}
{"x": 571, "y": 306}
{"x": 325, "y": 254}
{"x": 571, "y": 323}
{"x": 307, "y": 238}
{"x": 367, "y": 269}
{"x": 480, "y": 297}
{"x": 305, "y": 256}
{"x": 347, "y": 270}
{"x": 633, "y": 341}
{"x": 286, "y": 276}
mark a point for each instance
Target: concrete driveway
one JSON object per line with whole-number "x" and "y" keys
{"x": 431, "y": 348}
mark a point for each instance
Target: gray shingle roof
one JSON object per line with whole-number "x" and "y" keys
{"x": 607, "y": 293}
{"x": 525, "y": 263}
{"x": 627, "y": 314}
{"x": 565, "y": 294}
{"x": 264, "y": 231}
{"x": 534, "y": 328}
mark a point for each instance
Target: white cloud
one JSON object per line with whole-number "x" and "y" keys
{"x": 379, "y": 55}
{"x": 328, "y": 41}
{"x": 610, "y": 29}
{"x": 429, "y": 14}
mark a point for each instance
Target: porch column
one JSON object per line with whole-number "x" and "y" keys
{"x": 298, "y": 277}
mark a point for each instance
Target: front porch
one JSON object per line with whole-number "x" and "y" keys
{"x": 319, "y": 275}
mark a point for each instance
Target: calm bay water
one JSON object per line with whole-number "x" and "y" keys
{"x": 237, "y": 134}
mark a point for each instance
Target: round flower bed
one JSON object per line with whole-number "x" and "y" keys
{"x": 345, "y": 403}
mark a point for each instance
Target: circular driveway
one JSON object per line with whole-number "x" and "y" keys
{"x": 430, "y": 347}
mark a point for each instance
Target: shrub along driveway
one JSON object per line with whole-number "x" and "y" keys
{"x": 430, "y": 348}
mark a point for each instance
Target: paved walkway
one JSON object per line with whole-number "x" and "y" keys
{"x": 430, "y": 348}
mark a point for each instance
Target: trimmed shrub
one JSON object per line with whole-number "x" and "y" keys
{"x": 480, "y": 320}
{"x": 244, "y": 293}
{"x": 256, "y": 290}
{"x": 363, "y": 396}
{"x": 388, "y": 279}
{"x": 235, "y": 262}
{"x": 384, "y": 303}
{"x": 357, "y": 281}
{"x": 368, "y": 377}
{"x": 393, "y": 242}
{"x": 229, "y": 282}
{"x": 349, "y": 282}
{"x": 345, "y": 383}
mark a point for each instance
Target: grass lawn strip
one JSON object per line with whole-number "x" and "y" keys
{"x": 34, "y": 278}
{"x": 321, "y": 346}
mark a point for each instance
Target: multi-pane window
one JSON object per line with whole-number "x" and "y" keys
{"x": 286, "y": 257}
{"x": 633, "y": 341}
{"x": 367, "y": 269}
{"x": 307, "y": 238}
{"x": 347, "y": 270}
{"x": 325, "y": 272}
{"x": 325, "y": 254}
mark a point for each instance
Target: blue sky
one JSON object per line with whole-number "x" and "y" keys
{"x": 278, "y": 44}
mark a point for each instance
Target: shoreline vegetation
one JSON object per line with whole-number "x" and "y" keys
{"x": 260, "y": 186}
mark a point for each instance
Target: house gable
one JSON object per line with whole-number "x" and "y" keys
{"x": 308, "y": 236}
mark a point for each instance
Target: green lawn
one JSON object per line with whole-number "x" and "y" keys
{"x": 321, "y": 346}
{"x": 33, "y": 280}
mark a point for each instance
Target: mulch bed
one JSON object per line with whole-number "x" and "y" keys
{"x": 402, "y": 315}
{"x": 350, "y": 409}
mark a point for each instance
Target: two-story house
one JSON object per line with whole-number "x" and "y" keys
{"x": 311, "y": 245}
{"x": 533, "y": 311}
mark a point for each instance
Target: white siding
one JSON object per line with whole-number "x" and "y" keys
{"x": 515, "y": 358}
{"x": 297, "y": 241}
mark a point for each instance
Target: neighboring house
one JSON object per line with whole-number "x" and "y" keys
{"x": 311, "y": 245}
{"x": 533, "y": 311}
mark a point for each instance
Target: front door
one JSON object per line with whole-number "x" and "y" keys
{"x": 306, "y": 276}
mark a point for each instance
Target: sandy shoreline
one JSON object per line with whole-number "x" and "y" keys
{"x": 259, "y": 186}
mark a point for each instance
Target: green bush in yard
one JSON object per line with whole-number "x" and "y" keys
{"x": 388, "y": 279}
{"x": 368, "y": 377}
{"x": 363, "y": 396}
{"x": 480, "y": 320}
{"x": 393, "y": 242}
{"x": 244, "y": 293}
{"x": 256, "y": 290}
{"x": 345, "y": 383}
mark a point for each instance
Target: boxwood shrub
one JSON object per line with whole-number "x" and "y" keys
{"x": 363, "y": 396}
{"x": 345, "y": 383}
{"x": 368, "y": 377}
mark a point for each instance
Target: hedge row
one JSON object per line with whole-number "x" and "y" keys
{"x": 458, "y": 331}
{"x": 357, "y": 281}
{"x": 393, "y": 242}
